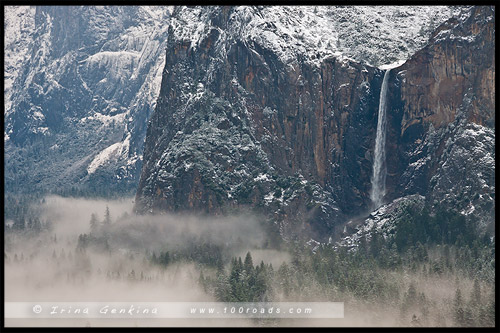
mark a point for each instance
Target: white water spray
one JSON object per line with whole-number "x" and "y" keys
{"x": 379, "y": 166}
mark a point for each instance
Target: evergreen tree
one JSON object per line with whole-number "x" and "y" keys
{"x": 93, "y": 223}
{"x": 412, "y": 294}
{"x": 261, "y": 281}
{"x": 222, "y": 287}
{"x": 424, "y": 309}
{"x": 107, "y": 216}
{"x": 468, "y": 320}
{"x": 362, "y": 247}
{"x": 490, "y": 311}
{"x": 375, "y": 243}
{"x": 164, "y": 258}
{"x": 409, "y": 302}
{"x": 248, "y": 265}
{"x": 237, "y": 279}
{"x": 284, "y": 278}
{"x": 458, "y": 311}
{"x": 394, "y": 259}
{"x": 476, "y": 294}
{"x": 202, "y": 281}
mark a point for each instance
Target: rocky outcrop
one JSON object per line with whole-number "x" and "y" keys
{"x": 441, "y": 142}
{"x": 459, "y": 59}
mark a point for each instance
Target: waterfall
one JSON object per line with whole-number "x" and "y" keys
{"x": 379, "y": 166}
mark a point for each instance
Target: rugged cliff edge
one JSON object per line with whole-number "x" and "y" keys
{"x": 443, "y": 108}
{"x": 238, "y": 124}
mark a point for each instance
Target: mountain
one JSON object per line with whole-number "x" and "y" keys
{"x": 80, "y": 84}
{"x": 444, "y": 116}
{"x": 274, "y": 109}
{"x": 82, "y": 81}
{"x": 267, "y": 108}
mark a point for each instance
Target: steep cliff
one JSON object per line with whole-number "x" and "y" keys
{"x": 81, "y": 82}
{"x": 443, "y": 108}
{"x": 242, "y": 121}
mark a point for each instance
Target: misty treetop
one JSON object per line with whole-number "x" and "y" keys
{"x": 398, "y": 274}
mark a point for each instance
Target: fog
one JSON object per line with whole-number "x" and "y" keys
{"x": 47, "y": 266}
{"x": 51, "y": 266}
{"x": 70, "y": 217}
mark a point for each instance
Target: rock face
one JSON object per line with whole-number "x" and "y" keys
{"x": 459, "y": 59}
{"x": 443, "y": 110}
{"x": 82, "y": 81}
{"x": 383, "y": 220}
{"x": 239, "y": 124}
{"x": 272, "y": 109}
{"x": 81, "y": 84}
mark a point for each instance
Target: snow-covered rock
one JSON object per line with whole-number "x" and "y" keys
{"x": 83, "y": 79}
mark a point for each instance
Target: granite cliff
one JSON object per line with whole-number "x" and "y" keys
{"x": 242, "y": 123}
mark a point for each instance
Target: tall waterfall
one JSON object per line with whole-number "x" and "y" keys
{"x": 379, "y": 166}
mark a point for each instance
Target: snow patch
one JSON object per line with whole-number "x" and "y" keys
{"x": 111, "y": 152}
{"x": 393, "y": 65}
{"x": 105, "y": 119}
{"x": 19, "y": 26}
{"x": 262, "y": 177}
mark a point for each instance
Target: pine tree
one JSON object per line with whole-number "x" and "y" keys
{"x": 248, "y": 266}
{"x": 222, "y": 287}
{"x": 164, "y": 258}
{"x": 409, "y": 301}
{"x": 412, "y": 294}
{"x": 490, "y": 311}
{"x": 260, "y": 284}
{"x": 363, "y": 247}
{"x": 284, "y": 278}
{"x": 201, "y": 280}
{"x": 235, "y": 280}
{"x": 107, "y": 216}
{"x": 422, "y": 301}
{"x": 93, "y": 223}
{"x": 394, "y": 257}
{"x": 421, "y": 252}
{"x": 458, "y": 311}
{"x": 468, "y": 320}
{"x": 19, "y": 223}
{"x": 374, "y": 243}
{"x": 476, "y": 294}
